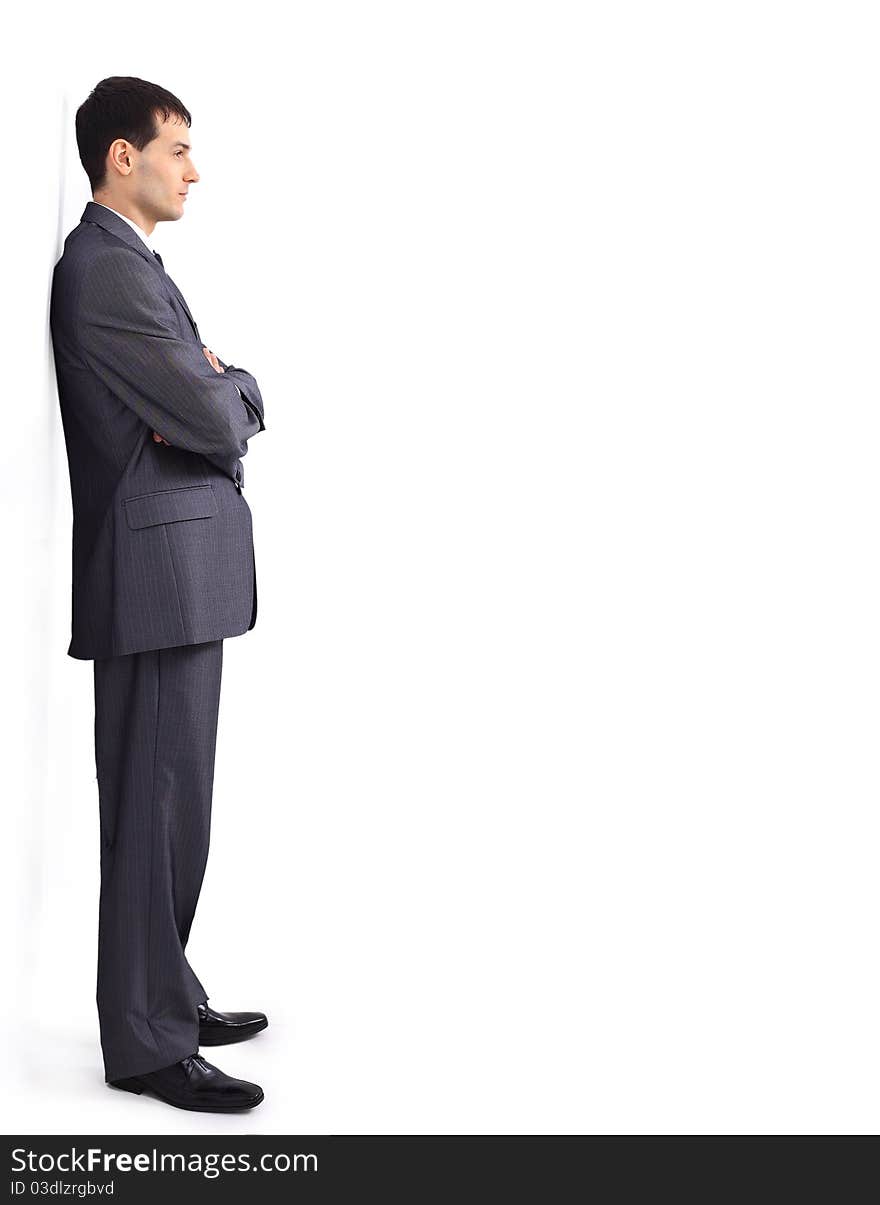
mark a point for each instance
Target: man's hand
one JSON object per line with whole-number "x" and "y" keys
{"x": 215, "y": 364}
{"x": 212, "y": 360}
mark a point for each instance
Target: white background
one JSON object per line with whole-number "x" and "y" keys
{"x": 547, "y": 783}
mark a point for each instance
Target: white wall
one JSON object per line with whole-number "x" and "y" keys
{"x": 547, "y": 784}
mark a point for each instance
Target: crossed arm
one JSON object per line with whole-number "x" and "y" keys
{"x": 212, "y": 359}
{"x": 128, "y": 336}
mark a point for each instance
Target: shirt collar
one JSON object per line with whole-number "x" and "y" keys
{"x": 134, "y": 225}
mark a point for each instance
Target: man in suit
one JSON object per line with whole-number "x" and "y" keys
{"x": 155, "y": 426}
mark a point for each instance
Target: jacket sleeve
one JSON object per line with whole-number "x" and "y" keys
{"x": 247, "y": 387}
{"x": 129, "y": 337}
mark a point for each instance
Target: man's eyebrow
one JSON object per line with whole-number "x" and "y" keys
{"x": 186, "y": 146}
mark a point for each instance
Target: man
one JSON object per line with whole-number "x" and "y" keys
{"x": 155, "y": 425}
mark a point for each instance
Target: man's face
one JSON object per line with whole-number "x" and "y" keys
{"x": 163, "y": 171}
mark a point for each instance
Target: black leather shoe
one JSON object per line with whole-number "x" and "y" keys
{"x": 194, "y": 1083}
{"x": 218, "y": 1029}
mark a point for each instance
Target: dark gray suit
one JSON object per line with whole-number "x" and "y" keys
{"x": 163, "y": 571}
{"x": 162, "y": 539}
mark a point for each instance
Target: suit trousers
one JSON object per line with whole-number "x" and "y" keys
{"x": 155, "y": 739}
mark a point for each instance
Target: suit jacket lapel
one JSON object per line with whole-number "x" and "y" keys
{"x": 179, "y": 296}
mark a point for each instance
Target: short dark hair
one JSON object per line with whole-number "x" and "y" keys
{"x": 121, "y": 106}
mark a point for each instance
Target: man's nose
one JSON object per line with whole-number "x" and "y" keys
{"x": 193, "y": 176}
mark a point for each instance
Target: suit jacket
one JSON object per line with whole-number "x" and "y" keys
{"x": 163, "y": 549}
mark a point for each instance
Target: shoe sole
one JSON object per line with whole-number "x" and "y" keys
{"x": 208, "y": 1037}
{"x": 133, "y": 1084}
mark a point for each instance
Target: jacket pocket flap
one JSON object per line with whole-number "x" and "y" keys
{"x": 170, "y": 506}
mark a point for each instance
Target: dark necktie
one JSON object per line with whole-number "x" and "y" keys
{"x": 179, "y": 296}
{"x": 182, "y": 302}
